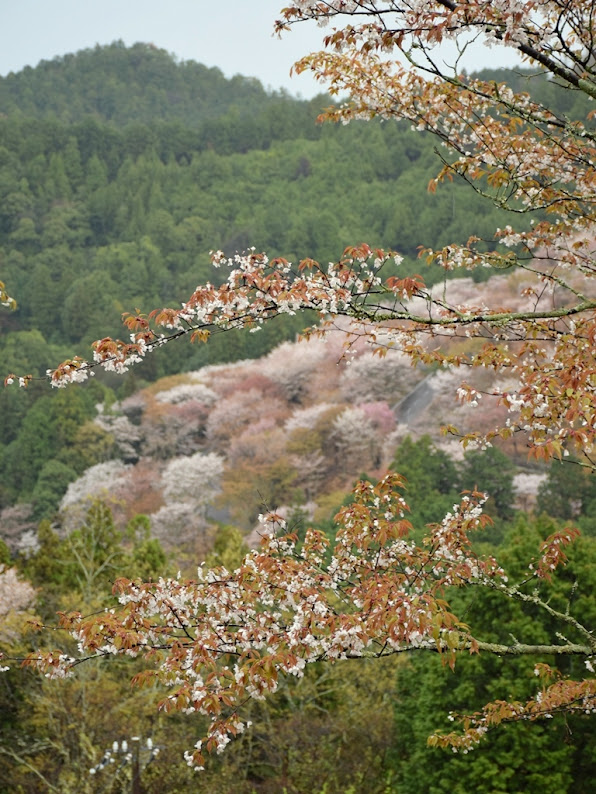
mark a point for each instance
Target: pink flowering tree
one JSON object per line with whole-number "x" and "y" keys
{"x": 189, "y": 484}
{"x": 356, "y": 440}
{"x": 227, "y": 636}
{"x": 16, "y": 596}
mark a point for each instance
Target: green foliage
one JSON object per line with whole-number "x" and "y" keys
{"x": 90, "y": 445}
{"x": 52, "y": 482}
{"x": 553, "y": 757}
{"x": 569, "y": 492}
{"x": 327, "y": 733}
{"x": 147, "y": 559}
{"x": 43, "y": 568}
{"x": 492, "y": 470}
{"x": 127, "y": 86}
{"x": 85, "y": 563}
{"x": 92, "y": 553}
{"x": 432, "y": 479}
{"x": 5, "y": 558}
{"x": 229, "y": 548}
{"x": 435, "y": 481}
{"x": 49, "y": 430}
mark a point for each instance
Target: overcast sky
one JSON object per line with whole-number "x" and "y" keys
{"x": 235, "y": 35}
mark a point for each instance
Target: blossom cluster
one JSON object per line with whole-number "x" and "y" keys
{"x": 229, "y": 635}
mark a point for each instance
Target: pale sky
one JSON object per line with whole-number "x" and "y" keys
{"x": 235, "y": 35}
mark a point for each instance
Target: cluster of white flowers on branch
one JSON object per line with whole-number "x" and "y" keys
{"x": 228, "y": 636}
{"x": 5, "y": 299}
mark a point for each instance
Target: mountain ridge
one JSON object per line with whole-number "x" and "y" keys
{"x": 99, "y": 82}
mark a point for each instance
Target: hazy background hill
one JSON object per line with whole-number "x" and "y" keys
{"x": 128, "y": 84}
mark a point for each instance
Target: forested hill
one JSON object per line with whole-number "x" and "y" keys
{"x": 99, "y": 217}
{"x": 144, "y": 84}
{"x": 140, "y": 84}
{"x": 121, "y": 168}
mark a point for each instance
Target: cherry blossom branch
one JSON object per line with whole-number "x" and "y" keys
{"x": 516, "y": 594}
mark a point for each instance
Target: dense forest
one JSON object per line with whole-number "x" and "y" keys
{"x": 120, "y": 169}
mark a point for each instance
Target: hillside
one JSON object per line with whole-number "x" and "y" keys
{"x": 291, "y": 430}
{"x": 106, "y": 206}
{"x": 120, "y": 84}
